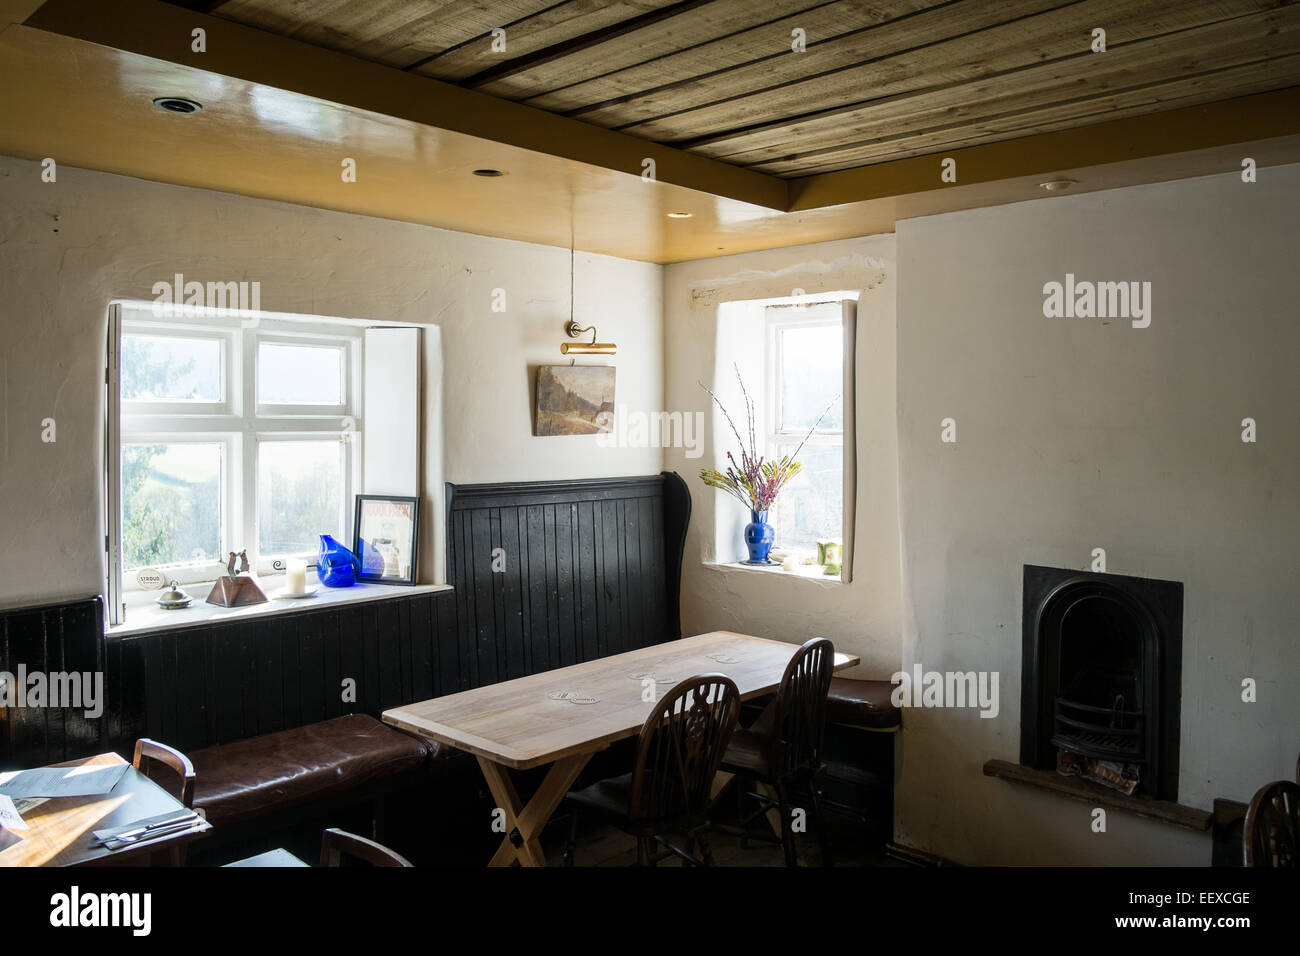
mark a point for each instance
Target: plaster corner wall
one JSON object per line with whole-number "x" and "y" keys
{"x": 67, "y": 248}
{"x": 1075, "y": 434}
{"x": 863, "y": 616}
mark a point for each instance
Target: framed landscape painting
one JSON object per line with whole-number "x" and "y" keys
{"x": 574, "y": 400}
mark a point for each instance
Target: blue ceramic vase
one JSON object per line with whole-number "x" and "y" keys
{"x": 759, "y": 536}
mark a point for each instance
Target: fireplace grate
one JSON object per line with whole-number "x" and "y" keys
{"x": 1101, "y": 733}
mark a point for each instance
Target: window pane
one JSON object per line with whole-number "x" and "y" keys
{"x": 162, "y": 368}
{"x": 171, "y": 503}
{"x": 299, "y": 374}
{"x": 812, "y": 505}
{"x": 299, "y": 492}
{"x": 812, "y": 373}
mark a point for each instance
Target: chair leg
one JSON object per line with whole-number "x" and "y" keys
{"x": 823, "y": 838}
{"x": 643, "y": 851}
{"x": 742, "y": 784}
{"x": 706, "y": 851}
{"x": 571, "y": 845}
{"x": 787, "y": 834}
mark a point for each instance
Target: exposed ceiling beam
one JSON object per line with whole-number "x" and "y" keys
{"x": 16, "y": 11}
{"x": 199, "y": 6}
{"x": 576, "y": 44}
{"x": 1244, "y": 119}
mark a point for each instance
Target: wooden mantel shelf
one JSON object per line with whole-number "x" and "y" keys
{"x": 1079, "y": 789}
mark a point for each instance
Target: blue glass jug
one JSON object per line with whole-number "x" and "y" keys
{"x": 336, "y": 566}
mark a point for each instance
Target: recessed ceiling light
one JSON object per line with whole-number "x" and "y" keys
{"x": 488, "y": 172}
{"x": 680, "y": 215}
{"x": 177, "y": 104}
{"x": 1056, "y": 185}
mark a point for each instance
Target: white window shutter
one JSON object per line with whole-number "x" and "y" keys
{"x": 391, "y": 413}
{"x": 850, "y": 319}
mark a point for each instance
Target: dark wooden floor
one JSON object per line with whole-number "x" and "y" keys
{"x": 606, "y": 846}
{"x": 603, "y": 845}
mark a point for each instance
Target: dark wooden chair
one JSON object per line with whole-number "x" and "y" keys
{"x": 336, "y": 844}
{"x": 1271, "y": 834}
{"x": 783, "y": 749}
{"x": 666, "y": 796}
{"x": 149, "y": 754}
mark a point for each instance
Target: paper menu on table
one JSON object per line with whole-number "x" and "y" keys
{"x": 85, "y": 781}
{"x": 10, "y": 819}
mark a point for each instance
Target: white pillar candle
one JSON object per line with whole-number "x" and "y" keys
{"x": 790, "y": 565}
{"x": 295, "y": 577}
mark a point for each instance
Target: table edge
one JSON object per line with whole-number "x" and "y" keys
{"x": 438, "y": 732}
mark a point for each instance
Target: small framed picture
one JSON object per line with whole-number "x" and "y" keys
{"x": 386, "y": 538}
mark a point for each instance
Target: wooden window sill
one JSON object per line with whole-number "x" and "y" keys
{"x": 144, "y": 616}
{"x": 814, "y": 572}
{"x": 1085, "y": 790}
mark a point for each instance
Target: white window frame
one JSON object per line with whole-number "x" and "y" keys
{"x": 237, "y": 421}
{"x": 226, "y": 404}
{"x": 349, "y": 373}
{"x": 274, "y": 561}
{"x": 190, "y": 571}
{"x": 778, "y": 317}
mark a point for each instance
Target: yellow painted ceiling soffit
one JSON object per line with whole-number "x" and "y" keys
{"x": 163, "y": 31}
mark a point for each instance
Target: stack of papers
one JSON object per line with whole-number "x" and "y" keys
{"x": 10, "y": 818}
{"x": 51, "y": 782}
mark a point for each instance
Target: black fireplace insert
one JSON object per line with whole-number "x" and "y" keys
{"x": 1102, "y": 675}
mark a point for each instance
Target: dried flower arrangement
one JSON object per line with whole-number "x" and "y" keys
{"x": 755, "y": 481}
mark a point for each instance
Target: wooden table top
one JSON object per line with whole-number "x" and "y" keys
{"x": 516, "y": 723}
{"x": 61, "y": 828}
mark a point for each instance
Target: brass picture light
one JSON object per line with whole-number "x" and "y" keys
{"x": 585, "y": 348}
{"x": 573, "y": 329}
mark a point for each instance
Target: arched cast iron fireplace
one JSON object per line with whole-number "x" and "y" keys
{"x": 1102, "y": 673}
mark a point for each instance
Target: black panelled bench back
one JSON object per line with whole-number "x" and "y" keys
{"x": 67, "y": 640}
{"x": 548, "y": 574}
{"x": 544, "y": 575}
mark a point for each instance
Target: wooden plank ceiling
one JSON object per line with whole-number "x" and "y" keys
{"x": 878, "y": 81}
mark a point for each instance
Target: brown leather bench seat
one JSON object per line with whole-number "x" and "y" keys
{"x": 249, "y": 778}
{"x": 862, "y": 703}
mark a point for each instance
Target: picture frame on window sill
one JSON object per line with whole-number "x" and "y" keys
{"x": 386, "y": 537}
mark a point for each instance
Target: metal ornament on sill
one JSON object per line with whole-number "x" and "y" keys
{"x": 174, "y": 598}
{"x": 234, "y": 589}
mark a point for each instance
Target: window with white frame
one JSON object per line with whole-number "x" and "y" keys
{"x": 232, "y": 435}
{"x": 805, "y": 378}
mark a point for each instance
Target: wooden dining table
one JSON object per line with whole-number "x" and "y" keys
{"x": 60, "y": 830}
{"x": 524, "y": 723}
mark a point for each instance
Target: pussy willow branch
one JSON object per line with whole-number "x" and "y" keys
{"x": 825, "y": 411}
{"x": 757, "y": 482}
{"x": 723, "y": 408}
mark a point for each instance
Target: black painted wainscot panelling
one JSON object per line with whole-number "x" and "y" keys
{"x": 63, "y": 638}
{"x": 584, "y": 569}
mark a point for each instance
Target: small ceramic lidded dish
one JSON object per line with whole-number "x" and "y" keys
{"x": 173, "y": 597}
